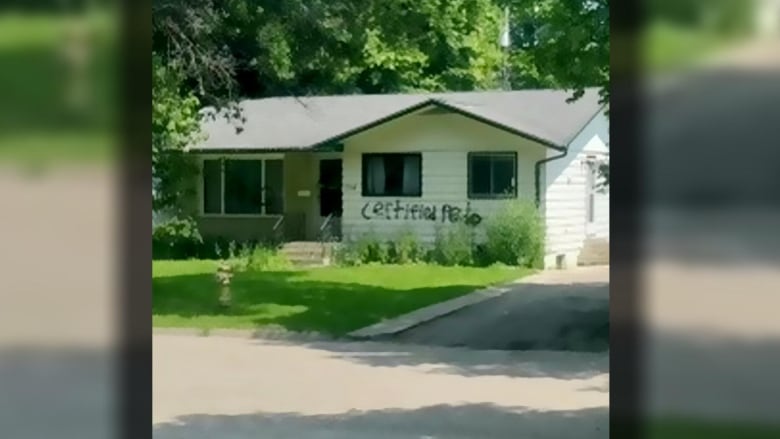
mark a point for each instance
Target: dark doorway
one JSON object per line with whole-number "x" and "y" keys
{"x": 330, "y": 187}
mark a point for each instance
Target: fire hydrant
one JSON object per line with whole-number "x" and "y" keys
{"x": 224, "y": 275}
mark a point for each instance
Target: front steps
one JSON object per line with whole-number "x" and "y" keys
{"x": 595, "y": 251}
{"x": 308, "y": 253}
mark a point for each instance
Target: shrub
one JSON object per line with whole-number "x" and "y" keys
{"x": 406, "y": 248}
{"x": 515, "y": 235}
{"x": 176, "y": 238}
{"x": 251, "y": 256}
{"x": 371, "y": 249}
{"x": 262, "y": 258}
{"x": 366, "y": 249}
{"x": 454, "y": 246}
{"x": 346, "y": 253}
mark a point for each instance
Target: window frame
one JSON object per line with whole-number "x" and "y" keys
{"x": 222, "y": 158}
{"x": 471, "y": 195}
{"x": 364, "y": 173}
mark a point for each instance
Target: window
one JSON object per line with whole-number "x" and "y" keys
{"x": 492, "y": 175}
{"x": 242, "y": 186}
{"x": 392, "y": 175}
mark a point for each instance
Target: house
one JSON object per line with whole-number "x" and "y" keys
{"x": 347, "y": 165}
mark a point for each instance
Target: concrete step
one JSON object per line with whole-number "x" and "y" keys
{"x": 307, "y": 253}
{"x": 595, "y": 251}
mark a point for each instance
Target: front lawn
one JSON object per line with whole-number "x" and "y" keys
{"x": 331, "y": 300}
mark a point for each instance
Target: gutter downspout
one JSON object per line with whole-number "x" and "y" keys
{"x": 538, "y": 173}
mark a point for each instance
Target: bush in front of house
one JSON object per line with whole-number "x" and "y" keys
{"x": 176, "y": 238}
{"x": 454, "y": 245}
{"x": 515, "y": 236}
{"x": 250, "y": 256}
{"x": 367, "y": 248}
{"x": 264, "y": 258}
{"x": 406, "y": 248}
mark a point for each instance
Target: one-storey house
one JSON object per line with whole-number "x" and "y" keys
{"x": 353, "y": 164}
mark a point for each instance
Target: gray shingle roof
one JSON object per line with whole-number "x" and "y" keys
{"x": 306, "y": 122}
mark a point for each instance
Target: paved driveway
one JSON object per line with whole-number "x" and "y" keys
{"x": 553, "y": 310}
{"x": 229, "y": 387}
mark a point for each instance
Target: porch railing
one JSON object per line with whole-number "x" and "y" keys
{"x": 277, "y": 233}
{"x": 330, "y": 230}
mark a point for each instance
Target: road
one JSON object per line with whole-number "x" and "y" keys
{"x": 231, "y": 387}
{"x": 552, "y": 310}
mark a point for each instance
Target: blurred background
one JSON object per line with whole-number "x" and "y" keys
{"x": 58, "y": 228}
{"x": 708, "y": 164}
{"x": 709, "y": 160}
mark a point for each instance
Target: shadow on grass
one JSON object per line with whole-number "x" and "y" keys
{"x": 437, "y": 421}
{"x": 289, "y": 299}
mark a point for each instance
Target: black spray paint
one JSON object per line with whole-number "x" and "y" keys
{"x": 389, "y": 210}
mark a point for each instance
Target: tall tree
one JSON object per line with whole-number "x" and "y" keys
{"x": 560, "y": 43}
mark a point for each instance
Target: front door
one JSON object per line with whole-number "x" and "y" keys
{"x": 330, "y": 187}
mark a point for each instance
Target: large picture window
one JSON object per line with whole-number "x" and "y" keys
{"x": 492, "y": 175}
{"x": 242, "y": 186}
{"x": 392, "y": 175}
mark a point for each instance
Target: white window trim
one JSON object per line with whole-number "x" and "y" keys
{"x": 262, "y": 157}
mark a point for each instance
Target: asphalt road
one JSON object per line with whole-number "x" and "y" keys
{"x": 229, "y": 387}
{"x": 564, "y": 310}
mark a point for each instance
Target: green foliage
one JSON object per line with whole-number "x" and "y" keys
{"x": 722, "y": 16}
{"x": 177, "y": 238}
{"x": 345, "y": 253}
{"x": 365, "y": 249}
{"x": 252, "y": 257}
{"x": 454, "y": 245}
{"x": 368, "y": 248}
{"x": 515, "y": 235}
{"x": 334, "y": 300}
{"x": 175, "y": 123}
{"x": 406, "y": 248}
{"x": 604, "y": 174}
{"x": 560, "y": 43}
{"x": 371, "y": 249}
{"x": 253, "y": 48}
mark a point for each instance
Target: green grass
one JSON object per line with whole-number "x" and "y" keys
{"x": 669, "y": 47}
{"x": 330, "y": 300}
{"x": 693, "y": 429}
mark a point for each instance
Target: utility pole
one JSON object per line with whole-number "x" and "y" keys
{"x": 505, "y": 43}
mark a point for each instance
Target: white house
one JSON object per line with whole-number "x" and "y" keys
{"x": 385, "y": 163}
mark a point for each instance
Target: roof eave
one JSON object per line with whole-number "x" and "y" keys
{"x": 501, "y": 126}
{"x": 439, "y": 103}
{"x": 334, "y": 147}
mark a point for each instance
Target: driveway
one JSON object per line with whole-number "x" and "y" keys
{"x": 554, "y": 310}
{"x": 215, "y": 387}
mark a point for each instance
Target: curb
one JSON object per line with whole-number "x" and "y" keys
{"x": 431, "y": 312}
{"x": 260, "y": 334}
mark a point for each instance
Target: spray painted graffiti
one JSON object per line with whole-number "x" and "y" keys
{"x": 389, "y": 210}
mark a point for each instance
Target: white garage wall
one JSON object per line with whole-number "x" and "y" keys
{"x": 565, "y": 199}
{"x": 444, "y": 141}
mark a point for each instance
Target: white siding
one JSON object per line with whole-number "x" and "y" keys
{"x": 600, "y": 228}
{"x": 444, "y": 140}
{"x": 565, "y": 199}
